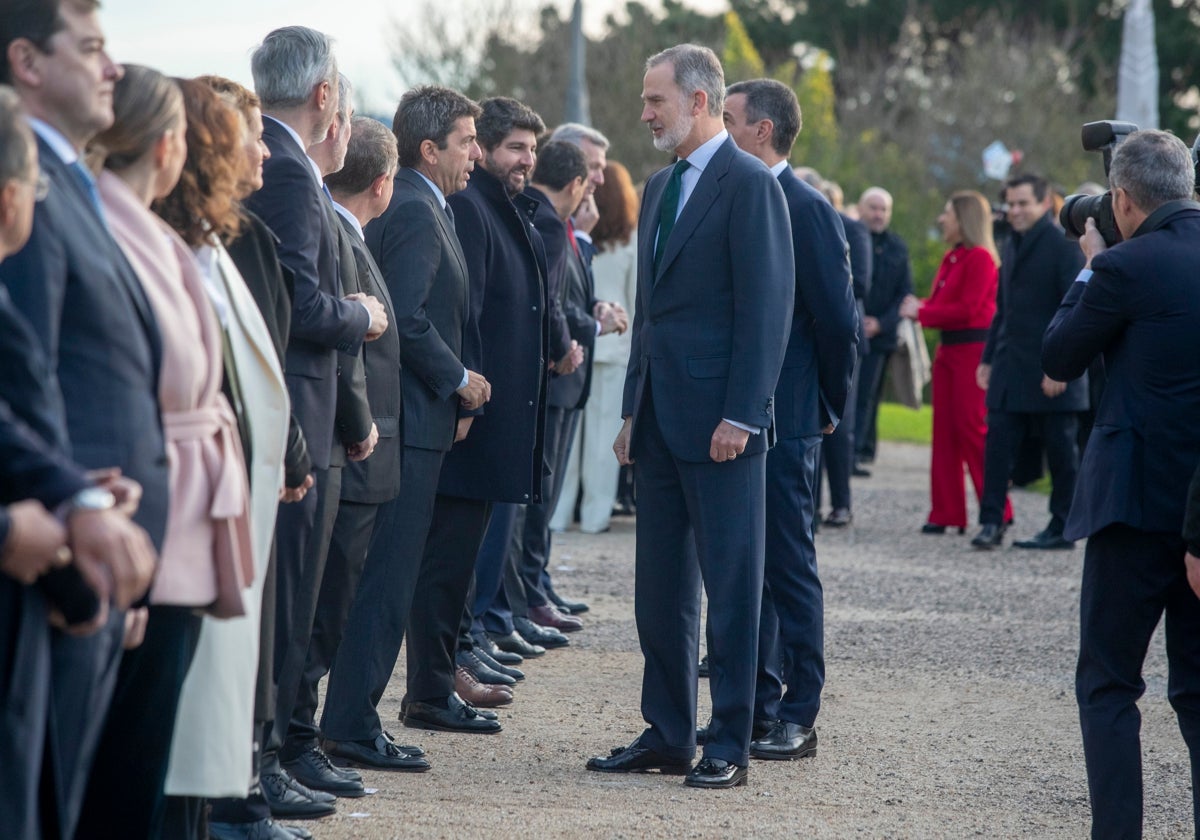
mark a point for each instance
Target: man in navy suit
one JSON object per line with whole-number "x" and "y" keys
{"x": 716, "y": 284}
{"x": 102, "y": 351}
{"x": 1138, "y": 304}
{"x": 763, "y": 117}
{"x": 296, "y": 77}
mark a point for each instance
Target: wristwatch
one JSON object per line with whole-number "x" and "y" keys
{"x": 87, "y": 499}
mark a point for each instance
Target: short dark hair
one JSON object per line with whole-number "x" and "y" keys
{"x": 768, "y": 99}
{"x": 16, "y": 138}
{"x": 1039, "y": 184}
{"x": 35, "y": 20}
{"x": 502, "y": 116}
{"x": 371, "y": 153}
{"x": 428, "y": 112}
{"x": 558, "y": 164}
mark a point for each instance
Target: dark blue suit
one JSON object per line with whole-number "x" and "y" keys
{"x": 1141, "y": 310}
{"x": 86, "y": 306}
{"x": 708, "y": 342}
{"x": 813, "y": 388}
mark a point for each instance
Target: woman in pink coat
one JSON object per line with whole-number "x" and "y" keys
{"x": 206, "y": 558}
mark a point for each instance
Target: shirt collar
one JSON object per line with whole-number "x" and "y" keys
{"x": 703, "y": 153}
{"x": 436, "y": 191}
{"x": 316, "y": 170}
{"x": 778, "y": 168}
{"x": 348, "y": 216}
{"x": 54, "y": 138}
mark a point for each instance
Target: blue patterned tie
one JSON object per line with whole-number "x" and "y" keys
{"x": 88, "y": 182}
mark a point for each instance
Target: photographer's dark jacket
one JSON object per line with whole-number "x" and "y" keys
{"x": 1141, "y": 309}
{"x": 891, "y": 280}
{"x": 1036, "y": 270}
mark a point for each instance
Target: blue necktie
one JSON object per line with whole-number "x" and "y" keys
{"x": 669, "y": 210}
{"x": 88, "y": 182}
{"x": 450, "y": 216}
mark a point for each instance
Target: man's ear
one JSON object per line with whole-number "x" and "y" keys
{"x": 765, "y": 129}
{"x": 22, "y": 56}
{"x": 8, "y": 203}
{"x": 429, "y": 152}
{"x": 378, "y": 185}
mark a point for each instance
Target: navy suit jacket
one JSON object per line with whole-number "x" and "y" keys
{"x": 1036, "y": 270}
{"x": 501, "y": 459}
{"x": 294, "y": 207}
{"x": 377, "y": 479}
{"x": 1141, "y": 310}
{"x": 87, "y": 308}
{"x": 423, "y": 266}
{"x": 712, "y": 323}
{"x": 819, "y": 362}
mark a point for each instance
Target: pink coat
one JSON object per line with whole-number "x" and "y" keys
{"x": 206, "y": 558}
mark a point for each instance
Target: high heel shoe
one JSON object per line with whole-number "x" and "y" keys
{"x": 931, "y": 528}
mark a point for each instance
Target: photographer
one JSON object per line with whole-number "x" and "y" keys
{"x": 1137, "y": 303}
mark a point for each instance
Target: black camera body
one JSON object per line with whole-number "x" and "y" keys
{"x": 1101, "y": 136}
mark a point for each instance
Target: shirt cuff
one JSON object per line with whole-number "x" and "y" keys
{"x": 370, "y": 320}
{"x": 599, "y": 328}
{"x": 751, "y": 429}
{"x": 1084, "y": 275}
{"x": 583, "y": 237}
{"x": 465, "y": 380}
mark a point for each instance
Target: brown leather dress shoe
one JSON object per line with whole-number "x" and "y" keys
{"x": 475, "y": 693}
{"x": 548, "y": 615}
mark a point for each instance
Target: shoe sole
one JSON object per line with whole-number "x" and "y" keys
{"x": 342, "y": 761}
{"x": 665, "y": 769}
{"x": 436, "y": 727}
{"x": 807, "y": 753}
{"x": 290, "y": 815}
{"x": 718, "y": 786}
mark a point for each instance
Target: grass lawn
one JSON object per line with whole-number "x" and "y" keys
{"x": 901, "y": 423}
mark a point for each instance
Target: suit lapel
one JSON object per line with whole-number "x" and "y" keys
{"x": 449, "y": 235}
{"x": 705, "y": 193}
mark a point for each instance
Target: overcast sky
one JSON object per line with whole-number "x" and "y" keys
{"x": 217, "y": 36}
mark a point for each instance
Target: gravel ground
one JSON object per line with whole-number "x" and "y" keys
{"x": 948, "y": 709}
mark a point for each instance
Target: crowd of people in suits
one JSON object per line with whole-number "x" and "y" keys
{"x": 285, "y": 390}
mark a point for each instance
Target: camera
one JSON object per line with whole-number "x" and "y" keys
{"x": 1102, "y": 136}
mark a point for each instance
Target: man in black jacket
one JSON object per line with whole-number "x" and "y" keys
{"x": 1037, "y": 266}
{"x": 1138, "y": 304}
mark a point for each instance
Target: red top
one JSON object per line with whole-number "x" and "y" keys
{"x": 964, "y": 291}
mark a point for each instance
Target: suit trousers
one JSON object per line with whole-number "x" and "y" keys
{"x": 871, "y": 371}
{"x": 302, "y": 533}
{"x": 455, "y": 533}
{"x": 697, "y": 523}
{"x": 374, "y": 630}
{"x": 125, "y": 793}
{"x": 1006, "y": 433}
{"x": 352, "y": 534}
{"x": 959, "y": 429}
{"x": 496, "y": 578}
{"x": 792, "y": 627}
{"x": 592, "y": 470}
{"x": 837, "y": 452}
{"x": 24, "y": 706}
{"x": 83, "y": 678}
{"x": 1130, "y": 579}
{"x": 536, "y": 539}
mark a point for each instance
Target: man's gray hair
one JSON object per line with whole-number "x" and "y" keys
{"x": 696, "y": 68}
{"x": 289, "y": 63}
{"x": 16, "y": 139}
{"x": 576, "y": 133}
{"x": 345, "y": 97}
{"x": 371, "y": 153}
{"x": 1153, "y": 167}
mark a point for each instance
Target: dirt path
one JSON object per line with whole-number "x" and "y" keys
{"x": 948, "y": 710}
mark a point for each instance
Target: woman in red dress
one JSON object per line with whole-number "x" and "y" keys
{"x": 961, "y": 305}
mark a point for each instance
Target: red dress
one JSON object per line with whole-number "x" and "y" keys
{"x": 961, "y": 305}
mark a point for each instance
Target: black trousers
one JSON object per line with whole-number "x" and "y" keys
{"x": 375, "y": 627}
{"x": 125, "y": 794}
{"x": 1132, "y": 578}
{"x": 871, "y": 372}
{"x": 1006, "y": 432}
{"x": 837, "y": 452}
{"x": 447, "y": 570}
{"x": 24, "y": 706}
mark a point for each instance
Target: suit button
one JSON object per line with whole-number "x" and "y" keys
{"x": 535, "y": 309}
{"x": 527, "y": 496}
{"x": 531, "y": 402}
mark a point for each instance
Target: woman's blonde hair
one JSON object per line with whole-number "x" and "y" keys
{"x": 974, "y": 215}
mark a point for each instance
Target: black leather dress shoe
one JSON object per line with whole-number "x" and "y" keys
{"x": 1046, "y": 540}
{"x": 990, "y": 536}
{"x": 457, "y": 717}
{"x": 839, "y": 518}
{"x": 536, "y": 634}
{"x": 312, "y": 768}
{"x": 265, "y": 829}
{"x": 715, "y": 773}
{"x": 759, "y": 729}
{"x": 505, "y": 657}
{"x": 860, "y": 472}
{"x": 785, "y": 741}
{"x": 467, "y": 659}
{"x": 381, "y": 754}
{"x": 516, "y": 643}
{"x": 290, "y": 800}
{"x": 571, "y": 607}
{"x": 493, "y": 663}
{"x": 548, "y": 615}
{"x": 297, "y": 832}
{"x": 702, "y": 668}
{"x": 638, "y": 759}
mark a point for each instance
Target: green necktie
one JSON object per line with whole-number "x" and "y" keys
{"x": 669, "y": 210}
